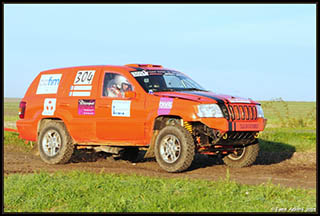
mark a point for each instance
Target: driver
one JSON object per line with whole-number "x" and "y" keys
{"x": 118, "y": 86}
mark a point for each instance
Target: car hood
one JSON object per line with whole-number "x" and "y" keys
{"x": 205, "y": 97}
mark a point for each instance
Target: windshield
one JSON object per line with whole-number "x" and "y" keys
{"x": 165, "y": 80}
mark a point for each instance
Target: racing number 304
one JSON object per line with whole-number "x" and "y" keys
{"x": 84, "y": 77}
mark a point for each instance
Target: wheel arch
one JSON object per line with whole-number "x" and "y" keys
{"x": 42, "y": 122}
{"x": 163, "y": 120}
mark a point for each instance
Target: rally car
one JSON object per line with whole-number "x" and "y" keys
{"x": 122, "y": 109}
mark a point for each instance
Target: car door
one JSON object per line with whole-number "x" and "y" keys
{"x": 76, "y": 102}
{"x": 119, "y": 118}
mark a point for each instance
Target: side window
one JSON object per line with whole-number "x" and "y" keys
{"x": 115, "y": 85}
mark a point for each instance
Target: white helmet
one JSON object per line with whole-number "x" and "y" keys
{"x": 119, "y": 80}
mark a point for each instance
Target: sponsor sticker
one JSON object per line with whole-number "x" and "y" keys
{"x": 49, "y": 84}
{"x": 139, "y": 73}
{"x": 162, "y": 72}
{"x": 84, "y": 77}
{"x": 121, "y": 108}
{"x": 165, "y": 106}
{"x": 239, "y": 100}
{"x": 86, "y": 107}
{"x": 49, "y": 106}
{"x": 247, "y": 126}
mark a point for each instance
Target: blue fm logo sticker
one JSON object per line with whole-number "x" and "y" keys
{"x": 49, "y": 84}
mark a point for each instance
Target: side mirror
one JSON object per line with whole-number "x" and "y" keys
{"x": 130, "y": 94}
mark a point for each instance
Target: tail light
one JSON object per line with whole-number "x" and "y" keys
{"x": 22, "y": 109}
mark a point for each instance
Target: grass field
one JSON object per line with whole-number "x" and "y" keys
{"x": 292, "y": 124}
{"x": 87, "y": 192}
{"x": 282, "y": 114}
{"x": 291, "y": 127}
{"x": 11, "y": 111}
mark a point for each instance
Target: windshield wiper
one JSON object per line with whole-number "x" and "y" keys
{"x": 192, "y": 89}
{"x": 163, "y": 90}
{"x": 177, "y": 89}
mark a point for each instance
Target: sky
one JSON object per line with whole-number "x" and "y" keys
{"x": 258, "y": 51}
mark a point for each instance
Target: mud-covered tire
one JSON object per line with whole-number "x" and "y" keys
{"x": 54, "y": 143}
{"x": 130, "y": 154}
{"x": 184, "y": 154}
{"x": 247, "y": 158}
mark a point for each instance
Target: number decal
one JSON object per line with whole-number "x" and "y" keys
{"x": 84, "y": 77}
{"x": 78, "y": 77}
{"x": 90, "y": 76}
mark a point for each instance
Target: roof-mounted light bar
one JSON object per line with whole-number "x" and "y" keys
{"x": 144, "y": 65}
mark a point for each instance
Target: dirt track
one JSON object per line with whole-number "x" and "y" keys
{"x": 286, "y": 169}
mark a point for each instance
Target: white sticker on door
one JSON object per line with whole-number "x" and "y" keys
{"x": 49, "y": 106}
{"x": 49, "y": 84}
{"x": 121, "y": 108}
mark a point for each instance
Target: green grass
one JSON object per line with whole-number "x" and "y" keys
{"x": 87, "y": 192}
{"x": 11, "y": 111}
{"x": 11, "y": 118}
{"x": 13, "y": 139}
{"x": 11, "y": 107}
{"x": 283, "y": 114}
{"x": 287, "y": 139}
{"x": 291, "y": 126}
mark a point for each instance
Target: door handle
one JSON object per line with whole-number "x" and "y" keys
{"x": 104, "y": 106}
{"x": 64, "y": 104}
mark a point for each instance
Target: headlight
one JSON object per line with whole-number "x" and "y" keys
{"x": 260, "y": 112}
{"x": 209, "y": 110}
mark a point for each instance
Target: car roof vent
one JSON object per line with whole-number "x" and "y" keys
{"x": 144, "y": 65}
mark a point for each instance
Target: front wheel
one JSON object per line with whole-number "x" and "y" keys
{"x": 174, "y": 148}
{"x": 242, "y": 157}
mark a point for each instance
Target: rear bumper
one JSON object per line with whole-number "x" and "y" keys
{"x": 224, "y": 125}
{"x": 27, "y": 130}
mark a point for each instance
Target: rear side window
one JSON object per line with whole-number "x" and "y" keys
{"x": 115, "y": 85}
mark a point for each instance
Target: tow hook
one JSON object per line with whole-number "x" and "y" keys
{"x": 225, "y": 136}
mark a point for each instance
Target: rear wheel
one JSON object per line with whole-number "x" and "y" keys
{"x": 174, "y": 148}
{"x": 242, "y": 157}
{"x": 54, "y": 143}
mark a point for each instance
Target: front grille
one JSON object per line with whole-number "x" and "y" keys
{"x": 224, "y": 111}
{"x": 242, "y": 112}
